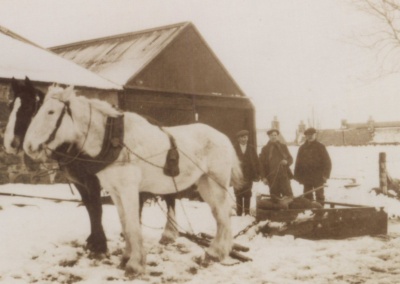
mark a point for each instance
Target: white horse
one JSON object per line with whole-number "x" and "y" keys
{"x": 207, "y": 158}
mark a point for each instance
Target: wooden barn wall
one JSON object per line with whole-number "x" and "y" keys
{"x": 228, "y": 115}
{"x": 188, "y": 66}
{"x": 4, "y": 99}
{"x": 106, "y": 95}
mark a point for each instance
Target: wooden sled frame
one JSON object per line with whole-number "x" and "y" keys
{"x": 339, "y": 221}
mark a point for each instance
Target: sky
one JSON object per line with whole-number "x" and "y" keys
{"x": 296, "y": 60}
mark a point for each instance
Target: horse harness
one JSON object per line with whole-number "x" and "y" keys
{"x": 68, "y": 154}
{"x": 67, "y": 109}
{"x": 111, "y": 148}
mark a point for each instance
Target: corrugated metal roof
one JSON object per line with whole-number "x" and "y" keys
{"x": 120, "y": 57}
{"x": 20, "y": 57}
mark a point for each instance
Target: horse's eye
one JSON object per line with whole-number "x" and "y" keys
{"x": 51, "y": 112}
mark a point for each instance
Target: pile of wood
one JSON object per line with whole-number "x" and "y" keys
{"x": 204, "y": 240}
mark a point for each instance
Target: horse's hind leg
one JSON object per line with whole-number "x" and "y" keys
{"x": 217, "y": 197}
{"x": 171, "y": 231}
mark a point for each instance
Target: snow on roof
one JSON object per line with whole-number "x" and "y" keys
{"x": 120, "y": 57}
{"x": 20, "y": 58}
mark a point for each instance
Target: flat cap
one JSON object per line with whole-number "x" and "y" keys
{"x": 242, "y": 133}
{"x": 270, "y": 131}
{"x": 310, "y": 131}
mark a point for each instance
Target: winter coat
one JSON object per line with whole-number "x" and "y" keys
{"x": 249, "y": 162}
{"x": 270, "y": 158}
{"x": 313, "y": 164}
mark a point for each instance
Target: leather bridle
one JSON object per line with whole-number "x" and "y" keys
{"x": 66, "y": 109}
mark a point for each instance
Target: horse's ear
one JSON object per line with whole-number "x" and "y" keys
{"x": 52, "y": 86}
{"x": 68, "y": 93}
{"x": 14, "y": 85}
{"x": 28, "y": 83}
{"x": 40, "y": 96}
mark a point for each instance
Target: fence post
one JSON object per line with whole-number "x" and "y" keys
{"x": 383, "y": 184}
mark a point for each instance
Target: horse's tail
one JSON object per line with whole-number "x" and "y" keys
{"x": 237, "y": 175}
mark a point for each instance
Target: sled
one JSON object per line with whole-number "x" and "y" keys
{"x": 333, "y": 221}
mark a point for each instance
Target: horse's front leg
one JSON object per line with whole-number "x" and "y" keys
{"x": 217, "y": 197}
{"x": 116, "y": 198}
{"x": 89, "y": 189}
{"x": 124, "y": 182}
{"x": 171, "y": 227}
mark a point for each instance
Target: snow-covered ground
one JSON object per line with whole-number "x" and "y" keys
{"x": 43, "y": 242}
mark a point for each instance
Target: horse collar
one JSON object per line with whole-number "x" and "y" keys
{"x": 111, "y": 148}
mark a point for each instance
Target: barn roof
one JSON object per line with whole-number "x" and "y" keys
{"x": 20, "y": 57}
{"x": 172, "y": 58}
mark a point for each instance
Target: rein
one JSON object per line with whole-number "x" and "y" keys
{"x": 67, "y": 109}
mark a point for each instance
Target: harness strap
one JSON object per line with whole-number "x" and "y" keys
{"x": 57, "y": 126}
{"x": 171, "y": 167}
{"x": 112, "y": 146}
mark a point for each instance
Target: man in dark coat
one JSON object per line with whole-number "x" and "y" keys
{"x": 313, "y": 166}
{"x": 275, "y": 161}
{"x": 247, "y": 155}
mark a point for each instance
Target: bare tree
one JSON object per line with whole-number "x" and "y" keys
{"x": 384, "y": 37}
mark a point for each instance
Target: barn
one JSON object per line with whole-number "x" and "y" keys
{"x": 170, "y": 74}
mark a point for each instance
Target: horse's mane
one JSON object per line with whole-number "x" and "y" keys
{"x": 69, "y": 94}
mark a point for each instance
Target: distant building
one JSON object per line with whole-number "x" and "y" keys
{"x": 356, "y": 134}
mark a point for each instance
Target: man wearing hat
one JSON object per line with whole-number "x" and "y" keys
{"x": 313, "y": 166}
{"x": 249, "y": 163}
{"x": 275, "y": 161}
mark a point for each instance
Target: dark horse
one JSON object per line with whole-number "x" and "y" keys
{"x": 25, "y": 103}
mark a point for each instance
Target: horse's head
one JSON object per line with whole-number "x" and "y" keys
{"x": 25, "y": 102}
{"x": 53, "y": 124}
{"x": 65, "y": 118}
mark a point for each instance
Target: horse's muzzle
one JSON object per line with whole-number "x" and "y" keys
{"x": 34, "y": 151}
{"x": 16, "y": 143}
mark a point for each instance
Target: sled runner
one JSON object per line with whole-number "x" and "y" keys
{"x": 333, "y": 221}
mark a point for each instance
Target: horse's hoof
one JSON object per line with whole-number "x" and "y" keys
{"x": 123, "y": 262}
{"x": 166, "y": 240}
{"x": 211, "y": 258}
{"x": 205, "y": 261}
{"x": 96, "y": 245}
{"x": 96, "y": 248}
{"x": 132, "y": 273}
{"x": 97, "y": 255}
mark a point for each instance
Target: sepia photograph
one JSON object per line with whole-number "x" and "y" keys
{"x": 188, "y": 141}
